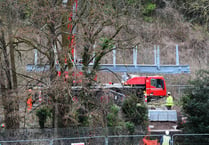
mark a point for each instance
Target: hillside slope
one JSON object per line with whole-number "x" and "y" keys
{"x": 167, "y": 29}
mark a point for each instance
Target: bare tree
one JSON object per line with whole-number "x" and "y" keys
{"x": 99, "y": 30}
{"x": 9, "y": 91}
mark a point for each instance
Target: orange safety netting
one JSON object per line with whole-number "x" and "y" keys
{"x": 147, "y": 141}
{"x": 150, "y": 142}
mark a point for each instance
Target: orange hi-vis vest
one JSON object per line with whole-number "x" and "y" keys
{"x": 29, "y": 103}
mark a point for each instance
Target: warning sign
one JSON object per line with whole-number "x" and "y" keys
{"x": 77, "y": 143}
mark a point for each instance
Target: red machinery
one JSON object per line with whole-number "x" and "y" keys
{"x": 153, "y": 85}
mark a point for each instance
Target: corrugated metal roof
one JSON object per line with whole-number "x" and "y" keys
{"x": 162, "y": 115}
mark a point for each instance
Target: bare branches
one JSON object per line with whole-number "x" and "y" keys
{"x": 33, "y": 45}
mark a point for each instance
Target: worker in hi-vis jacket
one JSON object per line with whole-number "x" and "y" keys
{"x": 166, "y": 139}
{"x": 169, "y": 101}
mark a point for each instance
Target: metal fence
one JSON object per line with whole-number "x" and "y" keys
{"x": 177, "y": 90}
{"x": 190, "y": 139}
{"x": 176, "y": 139}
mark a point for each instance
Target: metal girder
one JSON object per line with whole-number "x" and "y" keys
{"x": 37, "y": 68}
{"x": 130, "y": 68}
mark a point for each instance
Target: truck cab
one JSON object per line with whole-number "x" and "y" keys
{"x": 153, "y": 85}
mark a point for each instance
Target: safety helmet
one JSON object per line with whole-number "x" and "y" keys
{"x": 169, "y": 93}
{"x": 2, "y": 125}
{"x": 167, "y": 132}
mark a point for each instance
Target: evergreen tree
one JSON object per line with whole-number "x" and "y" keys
{"x": 196, "y": 104}
{"x": 135, "y": 111}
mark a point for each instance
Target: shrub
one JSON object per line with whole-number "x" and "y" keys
{"x": 149, "y": 8}
{"x": 83, "y": 118}
{"x": 131, "y": 127}
{"x": 112, "y": 116}
{"x": 42, "y": 114}
{"x": 195, "y": 10}
{"x": 135, "y": 111}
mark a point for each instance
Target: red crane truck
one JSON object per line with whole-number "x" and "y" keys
{"x": 154, "y": 86}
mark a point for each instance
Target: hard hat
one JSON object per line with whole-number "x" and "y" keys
{"x": 167, "y": 132}
{"x": 2, "y": 125}
{"x": 169, "y": 93}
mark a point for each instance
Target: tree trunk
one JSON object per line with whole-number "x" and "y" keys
{"x": 13, "y": 67}
{"x": 9, "y": 86}
{"x": 15, "y": 100}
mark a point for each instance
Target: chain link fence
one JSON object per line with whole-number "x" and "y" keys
{"x": 88, "y": 136}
